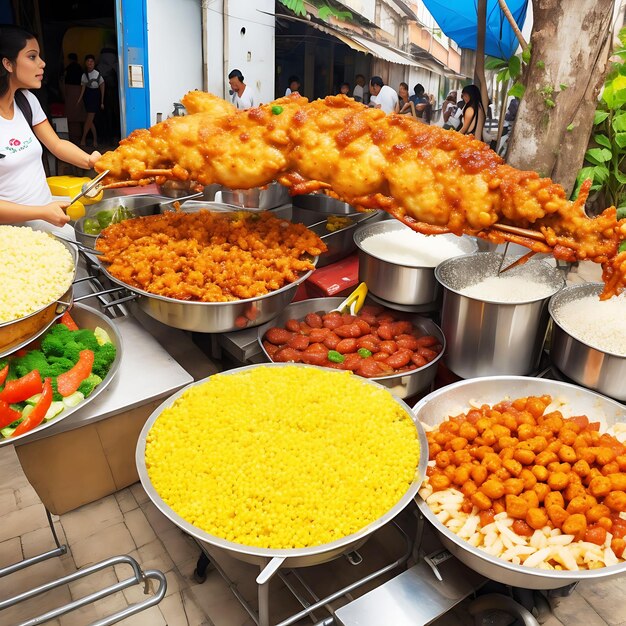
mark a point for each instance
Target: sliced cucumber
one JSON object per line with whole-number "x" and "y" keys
{"x": 27, "y": 411}
{"x": 102, "y": 336}
{"x": 33, "y": 399}
{"x": 7, "y": 432}
{"x": 72, "y": 400}
{"x": 54, "y": 409}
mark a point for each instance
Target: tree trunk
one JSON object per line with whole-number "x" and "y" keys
{"x": 571, "y": 41}
{"x": 479, "y": 69}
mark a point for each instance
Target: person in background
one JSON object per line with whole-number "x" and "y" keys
{"x": 404, "y": 106}
{"x": 345, "y": 89}
{"x": 24, "y": 193}
{"x": 511, "y": 112}
{"x": 358, "y": 92}
{"x": 432, "y": 101}
{"x": 242, "y": 94}
{"x": 92, "y": 94}
{"x": 294, "y": 85}
{"x": 448, "y": 107}
{"x": 421, "y": 103}
{"x": 383, "y": 96}
{"x": 74, "y": 109}
{"x": 473, "y": 110}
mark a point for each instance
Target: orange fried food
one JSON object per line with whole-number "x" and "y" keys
{"x": 208, "y": 257}
{"x": 434, "y": 180}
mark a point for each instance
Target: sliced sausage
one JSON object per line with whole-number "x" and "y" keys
{"x": 287, "y": 355}
{"x": 314, "y": 320}
{"x": 278, "y": 335}
{"x": 427, "y": 353}
{"x": 348, "y": 330}
{"x": 365, "y": 327}
{"x": 270, "y": 348}
{"x": 332, "y": 320}
{"x": 369, "y": 342}
{"x": 351, "y": 361}
{"x": 293, "y": 325}
{"x": 319, "y": 334}
{"x": 385, "y": 331}
{"x": 369, "y": 368}
{"x": 299, "y": 342}
{"x": 418, "y": 360}
{"x": 345, "y": 346}
{"x": 331, "y": 340}
{"x": 407, "y": 341}
{"x": 427, "y": 341}
{"x": 401, "y": 327}
{"x": 389, "y": 346}
{"x": 399, "y": 359}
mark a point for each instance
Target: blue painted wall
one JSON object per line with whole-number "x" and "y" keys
{"x": 132, "y": 39}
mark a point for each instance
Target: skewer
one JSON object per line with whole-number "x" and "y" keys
{"x": 522, "y": 232}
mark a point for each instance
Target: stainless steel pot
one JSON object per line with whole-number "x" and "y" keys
{"x": 455, "y": 399}
{"x": 140, "y": 205}
{"x": 489, "y": 338}
{"x": 19, "y": 332}
{"x": 396, "y": 283}
{"x": 603, "y": 371}
{"x": 85, "y": 317}
{"x": 321, "y": 203}
{"x": 297, "y": 557}
{"x": 402, "y": 385}
{"x": 270, "y": 197}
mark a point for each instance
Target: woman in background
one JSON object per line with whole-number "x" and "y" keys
{"x": 473, "y": 110}
{"x": 92, "y": 94}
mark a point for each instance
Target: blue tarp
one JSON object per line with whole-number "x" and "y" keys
{"x": 458, "y": 20}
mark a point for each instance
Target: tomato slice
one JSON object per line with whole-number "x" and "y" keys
{"x": 66, "y": 319}
{"x": 22, "y": 388}
{"x": 35, "y": 417}
{"x": 7, "y": 414}
{"x": 69, "y": 382}
{"x": 4, "y": 372}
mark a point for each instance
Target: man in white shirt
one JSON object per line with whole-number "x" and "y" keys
{"x": 385, "y": 97}
{"x": 242, "y": 95}
{"x": 358, "y": 91}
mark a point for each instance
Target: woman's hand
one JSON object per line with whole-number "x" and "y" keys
{"x": 54, "y": 213}
{"x": 93, "y": 157}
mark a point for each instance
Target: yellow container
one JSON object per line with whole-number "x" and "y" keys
{"x": 70, "y": 186}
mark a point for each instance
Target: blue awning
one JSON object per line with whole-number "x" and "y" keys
{"x": 458, "y": 20}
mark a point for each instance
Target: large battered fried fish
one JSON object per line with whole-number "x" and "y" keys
{"x": 434, "y": 180}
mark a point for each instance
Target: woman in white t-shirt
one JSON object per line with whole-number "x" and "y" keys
{"x": 24, "y": 193}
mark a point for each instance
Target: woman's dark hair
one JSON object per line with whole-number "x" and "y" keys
{"x": 476, "y": 103}
{"x": 419, "y": 89}
{"x": 404, "y": 85}
{"x": 12, "y": 40}
{"x": 90, "y": 56}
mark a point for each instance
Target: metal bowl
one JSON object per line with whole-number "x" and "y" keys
{"x": 297, "y": 557}
{"x": 453, "y": 400}
{"x": 263, "y": 198}
{"x": 139, "y": 205}
{"x": 603, "y": 371}
{"x": 489, "y": 338}
{"x": 403, "y": 385}
{"x": 18, "y": 333}
{"x": 394, "y": 282}
{"x": 85, "y": 317}
{"x": 321, "y": 203}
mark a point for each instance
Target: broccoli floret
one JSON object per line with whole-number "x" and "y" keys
{"x": 58, "y": 365}
{"x": 71, "y": 351}
{"x": 86, "y": 338}
{"x": 56, "y": 396}
{"x": 33, "y": 360}
{"x": 103, "y": 357}
{"x": 54, "y": 341}
{"x": 89, "y": 384}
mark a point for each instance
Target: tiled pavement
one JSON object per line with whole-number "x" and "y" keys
{"x": 128, "y": 523}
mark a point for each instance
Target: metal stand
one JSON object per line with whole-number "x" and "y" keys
{"x": 138, "y": 577}
{"x": 310, "y": 604}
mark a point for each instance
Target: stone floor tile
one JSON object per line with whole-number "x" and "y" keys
{"x": 126, "y": 500}
{"x": 175, "y": 584}
{"x": 160, "y": 524}
{"x": 139, "y": 494}
{"x": 8, "y": 502}
{"x": 40, "y": 540}
{"x": 575, "y": 611}
{"x": 218, "y": 602}
{"x": 195, "y": 614}
{"x": 180, "y": 546}
{"x": 10, "y": 551}
{"x": 25, "y": 496}
{"x": 22, "y": 521}
{"x": 180, "y": 609}
{"x": 90, "y": 584}
{"x": 110, "y": 605}
{"x": 606, "y": 598}
{"x": 110, "y": 541}
{"x": 91, "y": 519}
{"x": 149, "y": 617}
{"x": 154, "y": 556}
{"x": 80, "y": 617}
{"x": 139, "y": 527}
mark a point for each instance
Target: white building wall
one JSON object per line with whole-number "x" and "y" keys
{"x": 366, "y": 8}
{"x": 174, "y": 52}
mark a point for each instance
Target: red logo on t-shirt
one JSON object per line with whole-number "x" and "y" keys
{"x": 14, "y": 142}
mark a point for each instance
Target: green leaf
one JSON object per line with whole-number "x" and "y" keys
{"x": 595, "y": 187}
{"x": 495, "y": 64}
{"x": 515, "y": 66}
{"x": 541, "y": 65}
{"x": 599, "y": 117}
{"x": 600, "y": 174}
{"x": 517, "y": 91}
{"x": 549, "y": 103}
{"x": 620, "y": 177}
{"x": 619, "y": 122}
{"x": 597, "y": 156}
{"x": 619, "y": 98}
{"x": 620, "y": 139}
{"x": 602, "y": 140}
{"x": 526, "y": 54}
{"x": 584, "y": 174}
{"x": 563, "y": 86}
{"x": 570, "y": 127}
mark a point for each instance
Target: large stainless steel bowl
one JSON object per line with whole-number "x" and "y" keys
{"x": 19, "y": 332}
{"x": 85, "y": 317}
{"x": 297, "y": 557}
{"x": 487, "y": 338}
{"x": 263, "y": 198}
{"x": 394, "y": 282}
{"x": 603, "y": 371}
{"x": 402, "y": 385}
{"x": 455, "y": 399}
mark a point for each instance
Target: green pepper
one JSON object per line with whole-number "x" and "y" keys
{"x": 364, "y": 353}
{"x": 91, "y": 226}
{"x": 622, "y": 246}
{"x": 277, "y": 110}
{"x": 336, "y": 357}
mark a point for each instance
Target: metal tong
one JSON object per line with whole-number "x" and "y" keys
{"x": 354, "y": 302}
{"x": 90, "y": 189}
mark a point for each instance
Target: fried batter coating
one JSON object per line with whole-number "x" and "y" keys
{"x": 434, "y": 180}
{"x": 208, "y": 257}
